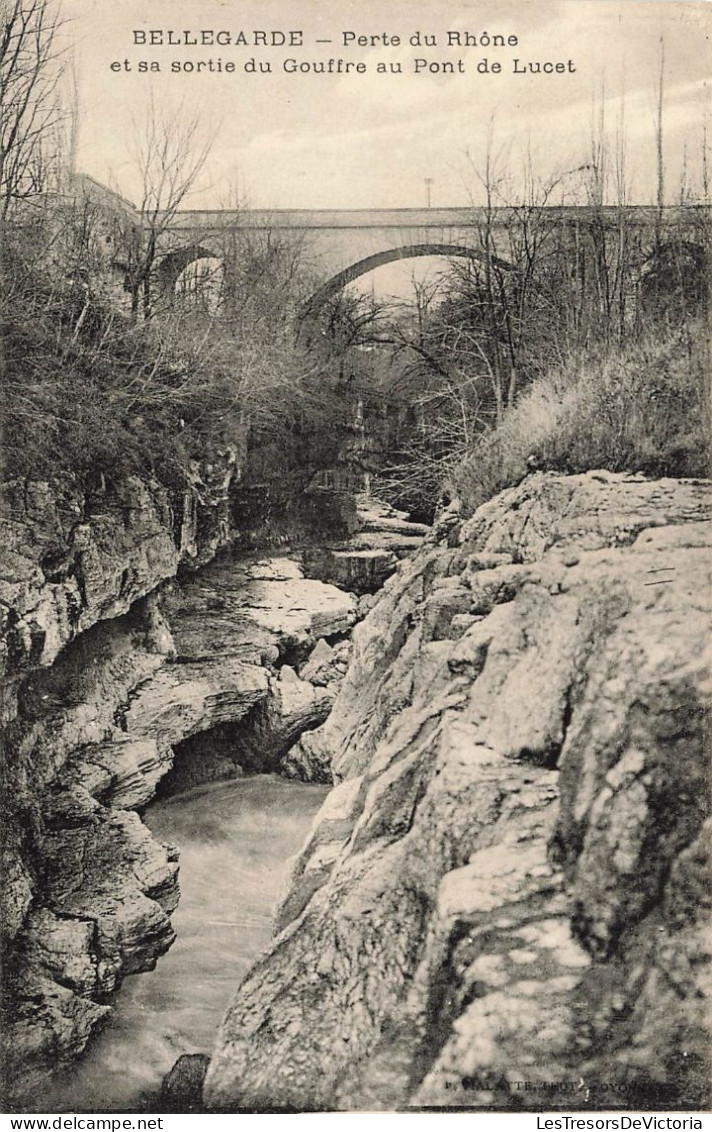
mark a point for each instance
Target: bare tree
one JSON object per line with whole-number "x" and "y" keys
{"x": 659, "y": 152}
{"x": 30, "y": 111}
{"x": 171, "y": 151}
{"x": 265, "y": 275}
{"x": 606, "y": 287}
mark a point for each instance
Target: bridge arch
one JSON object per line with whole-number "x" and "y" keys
{"x": 390, "y": 255}
{"x": 175, "y": 262}
{"x": 675, "y": 277}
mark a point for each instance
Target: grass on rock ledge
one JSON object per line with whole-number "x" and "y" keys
{"x": 646, "y": 409}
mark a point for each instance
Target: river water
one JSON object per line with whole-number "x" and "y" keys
{"x": 236, "y": 840}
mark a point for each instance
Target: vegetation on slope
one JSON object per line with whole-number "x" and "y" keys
{"x": 563, "y": 344}
{"x": 91, "y": 390}
{"x": 641, "y": 408}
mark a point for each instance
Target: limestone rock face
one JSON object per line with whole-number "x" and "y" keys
{"x": 107, "y": 895}
{"x": 504, "y": 899}
{"x": 72, "y": 558}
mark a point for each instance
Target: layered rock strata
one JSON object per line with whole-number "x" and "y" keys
{"x": 73, "y": 556}
{"x": 504, "y": 901}
{"x": 380, "y": 538}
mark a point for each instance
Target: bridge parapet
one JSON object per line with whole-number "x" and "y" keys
{"x": 200, "y": 220}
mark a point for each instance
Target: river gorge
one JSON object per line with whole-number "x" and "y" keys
{"x": 355, "y": 588}
{"x": 439, "y": 800}
{"x": 235, "y": 841}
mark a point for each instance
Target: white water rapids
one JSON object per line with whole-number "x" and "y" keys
{"x": 235, "y": 842}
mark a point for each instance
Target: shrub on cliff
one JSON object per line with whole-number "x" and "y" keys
{"x": 83, "y": 398}
{"x": 643, "y": 409}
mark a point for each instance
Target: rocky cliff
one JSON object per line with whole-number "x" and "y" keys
{"x": 86, "y": 893}
{"x": 74, "y": 556}
{"x": 504, "y": 899}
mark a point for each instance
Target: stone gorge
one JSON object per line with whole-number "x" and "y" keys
{"x": 112, "y": 671}
{"x": 505, "y": 893}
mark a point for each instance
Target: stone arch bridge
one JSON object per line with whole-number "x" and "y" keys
{"x": 343, "y": 244}
{"x": 338, "y": 244}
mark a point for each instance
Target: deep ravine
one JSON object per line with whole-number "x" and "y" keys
{"x": 236, "y": 840}
{"x": 507, "y": 887}
{"x": 120, "y": 681}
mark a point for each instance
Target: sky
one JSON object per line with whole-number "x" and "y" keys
{"x": 394, "y": 139}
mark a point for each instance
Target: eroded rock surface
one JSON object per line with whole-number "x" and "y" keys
{"x": 381, "y": 537}
{"x": 506, "y": 895}
{"x": 88, "y": 893}
{"x": 74, "y": 557}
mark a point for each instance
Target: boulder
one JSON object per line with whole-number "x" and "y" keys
{"x": 182, "y": 1086}
{"x": 319, "y": 668}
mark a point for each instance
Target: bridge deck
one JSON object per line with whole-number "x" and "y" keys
{"x": 306, "y": 219}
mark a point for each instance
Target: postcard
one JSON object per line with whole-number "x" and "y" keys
{"x": 355, "y": 577}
